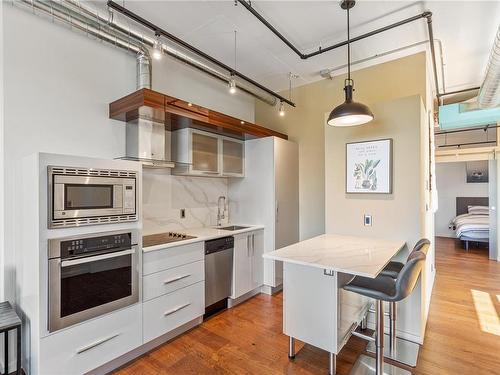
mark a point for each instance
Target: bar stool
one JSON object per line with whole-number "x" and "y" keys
{"x": 399, "y": 349}
{"x": 385, "y": 289}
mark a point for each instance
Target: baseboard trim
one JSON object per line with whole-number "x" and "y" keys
{"x": 145, "y": 348}
{"x": 272, "y": 290}
{"x": 236, "y": 301}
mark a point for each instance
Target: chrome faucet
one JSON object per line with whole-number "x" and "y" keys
{"x": 220, "y": 213}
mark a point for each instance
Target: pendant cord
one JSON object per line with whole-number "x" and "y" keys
{"x": 348, "y": 48}
{"x": 234, "y": 49}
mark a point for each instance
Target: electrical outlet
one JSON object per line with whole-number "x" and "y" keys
{"x": 183, "y": 213}
{"x": 367, "y": 220}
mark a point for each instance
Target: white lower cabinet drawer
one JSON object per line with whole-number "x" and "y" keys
{"x": 168, "y": 281}
{"x": 86, "y": 346}
{"x": 165, "y": 313}
{"x": 163, "y": 259}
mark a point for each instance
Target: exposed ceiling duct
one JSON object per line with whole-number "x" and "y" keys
{"x": 80, "y": 22}
{"x": 489, "y": 93}
{"x": 104, "y": 27}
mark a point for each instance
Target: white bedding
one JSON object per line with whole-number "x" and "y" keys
{"x": 472, "y": 226}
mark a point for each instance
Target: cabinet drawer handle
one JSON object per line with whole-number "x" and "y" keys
{"x": 97, "y": 343}
{"x": 174, "y": 310}
{"x": 174, "y": 279}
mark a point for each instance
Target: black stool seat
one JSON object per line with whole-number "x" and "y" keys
{"x": 382, "y": 287}
{"x": 394, "y": 268}
{"x": 386, "y": 288}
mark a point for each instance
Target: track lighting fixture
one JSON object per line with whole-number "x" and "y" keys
{"x": 157, "y": 48}
{"x": 232, "y": 86}
{"x": 349, "y": 113}
{"x": 282, "y": 109}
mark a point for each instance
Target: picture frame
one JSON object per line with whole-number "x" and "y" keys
{"x": 369, "y": 167}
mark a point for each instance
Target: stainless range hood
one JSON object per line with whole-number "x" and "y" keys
{"x": 149, "y": 143}
{"x": 148, "y": 140}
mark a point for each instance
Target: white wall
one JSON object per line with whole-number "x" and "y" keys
{"x": 58, "y": 84}
{"x": 451, "y": 183}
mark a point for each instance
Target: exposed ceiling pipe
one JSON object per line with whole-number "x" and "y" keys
{"x": 68, "y": 18}
{"x": 88, "y": 20}
{"x": 489, "y": 92}
{"x": 200, "y": 54}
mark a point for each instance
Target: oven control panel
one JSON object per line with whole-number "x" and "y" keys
{"x": 83, "y": 246}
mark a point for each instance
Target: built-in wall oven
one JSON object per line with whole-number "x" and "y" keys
{"x": 86, "y": 196}
{"x": 90, "y": 275}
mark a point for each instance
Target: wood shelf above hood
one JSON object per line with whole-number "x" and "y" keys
{"x": 177, "y": 113}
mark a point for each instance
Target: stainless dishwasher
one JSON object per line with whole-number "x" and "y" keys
{"x": 218, "y": 273}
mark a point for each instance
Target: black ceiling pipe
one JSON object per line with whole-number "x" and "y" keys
{"x": 305, "y": 56}
{"x": 159, "y": 30}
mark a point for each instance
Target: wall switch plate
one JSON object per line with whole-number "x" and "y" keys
{"x": 183, "y": 213}
{"x": 367, "y": 220}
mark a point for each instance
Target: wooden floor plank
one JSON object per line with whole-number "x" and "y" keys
{"x": 248, "y": 339}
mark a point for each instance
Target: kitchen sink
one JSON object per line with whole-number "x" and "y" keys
{"x": 233, "y": 227}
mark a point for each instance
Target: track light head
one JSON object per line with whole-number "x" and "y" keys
{"x": 157, "y": 48}
{"x": 282, "y": 109}
{"x": 232, "y": 86}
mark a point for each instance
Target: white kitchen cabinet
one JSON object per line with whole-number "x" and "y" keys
{"x": 317, "y": 310}
{"x": 247, "y": 262}
{"x": 269, "y": 195}
{"x": 170, "y": 280}
{"x": 163, "y": 259}
{"x": 84, "y": 347}
{"x": 173, "y": 288}
{"x": 233, "y": 157}
{"x": 167, "y": 312}
{"x": 206, "y": 154}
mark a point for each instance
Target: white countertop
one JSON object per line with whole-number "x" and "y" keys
{"x": 353, "y": 255}
{"x": 203, "y": 234}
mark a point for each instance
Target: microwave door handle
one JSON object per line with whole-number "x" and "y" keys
{"x": 67, "y": 263}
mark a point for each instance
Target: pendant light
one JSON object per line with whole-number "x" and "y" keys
{"x": 232, "y": 83}
{"x": 349, "y": 113}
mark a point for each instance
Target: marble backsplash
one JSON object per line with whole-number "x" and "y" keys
{"x": 164, "y": 195}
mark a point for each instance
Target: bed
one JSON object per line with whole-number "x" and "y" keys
{"x": 472, "y": 223}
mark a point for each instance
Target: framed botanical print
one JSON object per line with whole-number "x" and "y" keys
{"x": 369, "y": 167}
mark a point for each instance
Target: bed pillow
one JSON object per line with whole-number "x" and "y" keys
{"x": 479, "y": 210}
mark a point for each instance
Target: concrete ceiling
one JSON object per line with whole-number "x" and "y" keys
{"x": 466, "y": 30}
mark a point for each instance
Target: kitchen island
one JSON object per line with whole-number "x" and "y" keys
{"x": 316, "y": 309}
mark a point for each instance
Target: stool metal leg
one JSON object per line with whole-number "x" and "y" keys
{"x": 379, "y": 338}
{"x": 392, "y": 319}
{"x": 399, "y": 350}
{"x": 6, "y": 352}
{"x": 332, "y": 361}
{"x": 18, "y": 370}
{"x": 369, "y": 366}
{"x": 291, "y": 347}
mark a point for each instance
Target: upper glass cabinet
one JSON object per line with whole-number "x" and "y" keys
{"x": 205, "y": 153}
{"x": 233, "y": 152}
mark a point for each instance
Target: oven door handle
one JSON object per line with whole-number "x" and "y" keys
{"x": 67, "y": 263}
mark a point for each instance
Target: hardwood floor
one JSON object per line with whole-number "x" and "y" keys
{"x": 462, "y": 337}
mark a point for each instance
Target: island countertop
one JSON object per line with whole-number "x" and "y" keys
{"x": 348, "y": 254}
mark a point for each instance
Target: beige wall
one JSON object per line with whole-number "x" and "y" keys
{"x": 305, "y": 123}
{"x": 400, "y": 215}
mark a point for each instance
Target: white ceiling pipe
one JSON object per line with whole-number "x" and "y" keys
{"x": 489, "y": 92}
{"x": 109, "y": 21}
{"x": 143, "y": 59}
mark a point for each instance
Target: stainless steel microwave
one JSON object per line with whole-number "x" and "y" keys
{"x": 87, "y": 196}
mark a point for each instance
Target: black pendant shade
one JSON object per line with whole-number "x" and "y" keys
{"x": 349, "y": 113}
